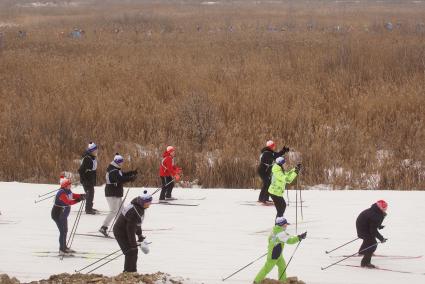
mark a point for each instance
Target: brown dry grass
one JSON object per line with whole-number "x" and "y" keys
{"x": 325, "y": 78}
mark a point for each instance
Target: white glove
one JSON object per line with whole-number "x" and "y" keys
{"x": 144, "y": 246}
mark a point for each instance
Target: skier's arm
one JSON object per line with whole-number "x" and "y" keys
{"x": 64, "y": 198}
{"x": 168, "y": 165}
{"x": 373, "y": 230}
{"x": 290, "y": 176}
{"x": 287, "y": 239}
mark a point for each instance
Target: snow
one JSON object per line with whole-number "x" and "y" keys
{"x": 211, "y": 241}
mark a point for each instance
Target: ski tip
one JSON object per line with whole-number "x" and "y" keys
{"x": 326, "y": 252}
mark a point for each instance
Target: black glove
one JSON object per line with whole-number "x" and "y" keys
{"x": 298, "y": 168}
{"x": 141, "y": 238}
{"x": 381, "y": 227}
{"x": 383, "y": 240}
{"x": 302, "y": 236}
{"x": 285, "y": 150}
{"x": 82, "y": 197}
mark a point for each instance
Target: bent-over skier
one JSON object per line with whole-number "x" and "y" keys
{"x": 367, "y": 224}
{"x": 128, "y": 225}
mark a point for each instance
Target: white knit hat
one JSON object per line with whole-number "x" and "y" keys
{"x": 118, "y": 159}
{"x": 91, "y": 147}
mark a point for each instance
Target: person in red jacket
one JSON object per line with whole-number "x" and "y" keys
{"x": 63, "y": 200}
{"x": 168, "y": 173}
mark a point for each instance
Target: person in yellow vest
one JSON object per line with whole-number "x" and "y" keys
{"x": 279, "y": 180}
{"x": 277, "y": 240}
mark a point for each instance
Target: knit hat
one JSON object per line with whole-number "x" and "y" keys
{"x": 280, "y": 221}
{"x": 270, "y": 144}
{"x": 280, "y": 160}
{"x": 92, "y": 147}
{"x": 118, "y": 159}
{"x": 170, "y": 149}
{"x": 144, "y": 198}
{"x": 65, "y": 182}
{"x": 382, "y": 204}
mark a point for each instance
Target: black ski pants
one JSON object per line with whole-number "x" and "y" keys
{"x": 367, "y": 249}
{"x": 130, "y": 262}
{"x": 264, "y": 193}
{"x": 89, "y": 190}
{"x": 280, "y": 204}
{"x": 167, "y": 187}
{"x": 61, "y": 221}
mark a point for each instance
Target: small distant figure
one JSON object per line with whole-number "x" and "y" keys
{"x": 1, "y": 40}
{"x": 267, "y": 157}
{"x": 87, "y": 173}
{"x": 63, "y": 200}
{"x": 76, "y": 33}
{"x": 277, "y": 240}
{"x": 114, "y": 190}
{"x": 22, "y": 34}
{"x": 389, "y": 26}
{"x": 169, "y": 173}
{"x": 128, "y": 225}
{"x": 280, "y": 178}
{"x": 367, "y": 224}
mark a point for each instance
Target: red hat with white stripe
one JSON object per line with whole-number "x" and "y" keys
{"x": 65, "y": 182}
{"x": 270, "y": 144}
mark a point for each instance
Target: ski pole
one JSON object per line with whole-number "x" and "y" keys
{"x": 79, "y": 270}
{"x": 287, "y": 195}
{"x": 323, "y": 268}
{"x": 47, "y": 193}
{"x": 74, "y": 227}
{"x": 48, "y": 197}
{"x": 296, "y": 211}
{"x": 329, "y": 251}
{"x": 283, "y": 272}
{"x": 111, "y": 260}
{"x": 301, "y": 199}
{"x": 159, "y": 188}
{"x": 244, "y": 266}
{"x": 119, "y": 211}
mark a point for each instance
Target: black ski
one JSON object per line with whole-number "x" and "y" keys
{"x": 175, "y": 203}
{"x": 383, "y": 256}
{"x": 384, "y": 269}
{"x": 93, "y": 235}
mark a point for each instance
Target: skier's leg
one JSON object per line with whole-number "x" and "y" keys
{"x": 281, "y": 264}
{"x": 114, "y": 204}
{"x": 122, "y": 241}
{"x": 170, "y": 187}
{"x": 367, "y": 254}
{"x": 130, "y": 264}
{"x": 163, "y": 189}
{"x": 279, "y": 203}
{"x": 264, "y": 189}
{"x": 268, "y": 266}
{"x": 89, "y": 190}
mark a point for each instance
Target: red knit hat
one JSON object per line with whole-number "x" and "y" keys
{"x": 65, "y": 182}
{"x": 270, "y": 144}
{"x": 382, "y": 204}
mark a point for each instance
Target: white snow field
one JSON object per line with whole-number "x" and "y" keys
{"x": 206, "y": 243}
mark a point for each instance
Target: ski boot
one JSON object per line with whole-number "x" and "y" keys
{"x": 104, "y": 231}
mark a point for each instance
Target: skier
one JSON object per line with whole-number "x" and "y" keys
{"x": 63, "y": 200}
{"x": 87, "y": 173}
{"x": 277, "y": 240}
{"x": 168, "y": 173}
{"x": 278, "y": 183}
{"x": 367, "y": 224}
{"x": 115, "y": 179}
{"x": 128, "y": 225}
{"x": 267, "y": 157}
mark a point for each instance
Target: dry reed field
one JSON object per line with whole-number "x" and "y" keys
{"x": 341, "y": 82}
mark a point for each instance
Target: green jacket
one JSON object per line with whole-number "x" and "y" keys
{"x": 277, "y": 240}
{"x": 279, "y": 180}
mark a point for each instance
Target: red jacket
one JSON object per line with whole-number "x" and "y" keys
{"x": 167, "y": 167}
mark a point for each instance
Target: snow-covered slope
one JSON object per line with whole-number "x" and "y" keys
{"x": 210, "y": 241}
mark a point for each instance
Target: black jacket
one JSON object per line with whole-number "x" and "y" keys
{"x": 115, "y": 179}
{"x": 267, "y": 158}
{"x": 129, "y": 223}
{"x": 87, "y": 170}
{"x": 369, "y": 221}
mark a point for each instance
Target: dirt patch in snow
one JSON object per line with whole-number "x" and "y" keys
{"x": 123, "y": 278}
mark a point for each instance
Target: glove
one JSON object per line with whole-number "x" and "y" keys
{"x": 383, "y": 240}
{"x": 298, "y": 168}
{"x": 82, "y": 197}
{"x": 144, "y": 246}
{"x": 141, "y": 238}
{"x": 178, "y": 170}
{"x": 381, "y": 227}
{"x": 285, "y": 149}
{"x": 176, "y": 177}
{"x": 302, "y": 236}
